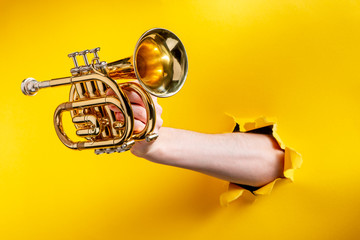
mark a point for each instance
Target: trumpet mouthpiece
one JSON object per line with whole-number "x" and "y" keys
{"x": 29, "y": 86}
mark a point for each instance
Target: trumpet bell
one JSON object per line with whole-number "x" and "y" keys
{"x": 159, "y": 63}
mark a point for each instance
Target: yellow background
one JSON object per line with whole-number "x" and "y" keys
{"x": 297, "y": 61}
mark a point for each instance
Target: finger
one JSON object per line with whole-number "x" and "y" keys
{"x": 134, "y": 97}
{"x": 114, "y": 108}
{"x": 119, "y": 116}
{"x": 143, "y": 116}
{"x": 138, "y": 126}
{"x": 158, "y": 109}
{"x": 139, "y": 113}
{"x": 110, "y": 92}
{"x": 153, "y": 98}
{"x": 159, "y": 123}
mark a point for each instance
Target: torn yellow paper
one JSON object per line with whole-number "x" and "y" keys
{"x": 292, "y": 161}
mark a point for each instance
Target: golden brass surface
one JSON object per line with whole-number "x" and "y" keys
{"x": 159, "y": 64}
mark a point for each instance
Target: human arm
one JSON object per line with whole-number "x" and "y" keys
{"x": 244, "y": 158}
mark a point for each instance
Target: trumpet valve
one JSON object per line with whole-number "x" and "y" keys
{"x": 96, "y": 55}
{"x": 96, "y": 60}
{"x": 84, "y": 54}
{"x": 73, "y": 56}
{"x": 85, "y": 69}
{"x": 76, "y": 70}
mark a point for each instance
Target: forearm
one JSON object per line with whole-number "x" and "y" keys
{"x": 245, "y": 158}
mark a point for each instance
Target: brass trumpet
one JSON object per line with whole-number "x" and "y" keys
{"x": 159, "y": 63}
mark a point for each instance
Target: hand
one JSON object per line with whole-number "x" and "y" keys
{"x": 141, "y": 148}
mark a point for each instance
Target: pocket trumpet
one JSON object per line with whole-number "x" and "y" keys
{"x": 160, "y": 65}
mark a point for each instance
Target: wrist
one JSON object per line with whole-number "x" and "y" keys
{"x": 149, "y": 150}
